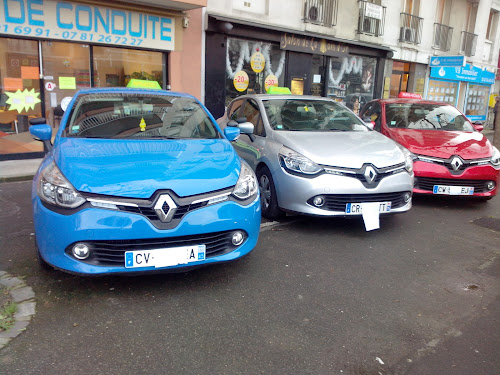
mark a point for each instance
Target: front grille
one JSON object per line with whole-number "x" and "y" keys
{"x": 337, "y": 202}
{"x": 150, "y": 213}
{"x": 112, "y": 252}
{"x": 427, "y": 183}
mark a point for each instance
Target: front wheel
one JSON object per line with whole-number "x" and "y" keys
{"x": 268, "y": 199}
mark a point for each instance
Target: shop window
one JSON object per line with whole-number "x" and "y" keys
{"x": 443, "y": 91}
{"x": 351, "y": 80}
{"x": 114, "y": 67}
{"x": 253, "y": 66}
{"x": 477, "y": 101}
{"x": 19, "y": 95}
{"x": 66, "y": 70}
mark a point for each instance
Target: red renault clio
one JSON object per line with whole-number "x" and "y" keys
{"x": 451, "y": 156}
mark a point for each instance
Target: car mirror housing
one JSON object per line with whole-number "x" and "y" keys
{"x": 478, "y": 127}
{"x": 42, "y": 132}
{"x": 231, "y": 133}
{"x": 370, "y": 124}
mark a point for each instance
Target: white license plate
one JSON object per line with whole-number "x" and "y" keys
{"x": 172, "y": 256}
{"x": 453, "y": 190}
{"x": 356, "y": 208}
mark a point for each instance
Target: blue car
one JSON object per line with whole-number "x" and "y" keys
{"x": 140, "y": 181}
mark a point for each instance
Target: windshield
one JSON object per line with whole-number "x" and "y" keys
{"x": 426, "y": 116}
{"x": 311, "y": 115}
{"x": 127, "y": 115}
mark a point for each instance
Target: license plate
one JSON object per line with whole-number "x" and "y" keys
{"x": 356, "y": 208}
{"x": 453, "y": 190}
{"x": 172, "y": 256}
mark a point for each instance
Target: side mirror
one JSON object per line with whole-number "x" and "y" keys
{"x": 370, "y": 124}
{"x": 231, "y": 133}
{"x": 247, "y": 128}
{"x": 41, "y": 132}
{"x": 478, "y": 126}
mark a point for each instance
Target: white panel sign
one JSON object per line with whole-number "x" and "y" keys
{"x": 373, "y": 11}
{"x": 71, "y": 21}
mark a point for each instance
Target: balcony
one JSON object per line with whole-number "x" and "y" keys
{"x": 442, "y": 37}
{"x": 468, "y": 43}
{"x": 321, "y": 12}
{"x": 371, "y": 18}
{"x": 411, "y": 29}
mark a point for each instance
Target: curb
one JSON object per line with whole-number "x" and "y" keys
{"x": 16, "y": 178}
{"x": 24, "y": 296}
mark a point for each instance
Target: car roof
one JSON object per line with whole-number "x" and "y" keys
{"x": 403, "y": 100}
{"x": 126, "y": 90}
{"x": 281, "y": 96}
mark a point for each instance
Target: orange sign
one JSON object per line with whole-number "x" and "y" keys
{"x": 12, "y": 84}
{"x": 30, "y": 72}
{"x": 240, "y": 81}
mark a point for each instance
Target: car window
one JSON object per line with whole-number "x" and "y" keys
{"x": 130, "y": 115}
{"x": 311, "y": 115}
{"x": 251, "y": 112}
{"x": 234, "y": 109}
{"x": 426, "y": 116}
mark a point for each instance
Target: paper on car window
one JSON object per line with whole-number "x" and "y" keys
{"x": 370, "y": 212}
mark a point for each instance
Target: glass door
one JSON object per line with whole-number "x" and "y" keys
{"x": 66, "y": 69}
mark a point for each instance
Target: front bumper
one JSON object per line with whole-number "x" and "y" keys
{"x": 295, "y": 192}
{"x": 56, "y": 232}
{"x": 429, "y": 174}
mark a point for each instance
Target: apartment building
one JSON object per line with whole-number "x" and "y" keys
{"x": 353, "y": 50}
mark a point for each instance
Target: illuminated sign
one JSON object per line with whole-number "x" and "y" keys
{"x": 301, "y": 43}
{"x": 85, "y": 23}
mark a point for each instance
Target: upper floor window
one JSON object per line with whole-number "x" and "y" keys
{"x": 321, "y": 12}
{"x": 492, "y": 25}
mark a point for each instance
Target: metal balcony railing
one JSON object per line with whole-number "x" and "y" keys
{"x": 468, "y": 43}
{"x": 371, "y": 18}
{"x": 321, "y": 12}
{"x": 411, "y": 29}
{"x": 442, "y": 37}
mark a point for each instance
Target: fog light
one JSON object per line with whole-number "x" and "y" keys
{"x": 238, "y": 238}
{"x": 318, "y": 201}
{"x": 490, "y": 185}
{"x": 81, "y": 251}
{"x": 407, "y": 197}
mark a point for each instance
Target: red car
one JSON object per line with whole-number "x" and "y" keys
{"x": 451, "y": 156}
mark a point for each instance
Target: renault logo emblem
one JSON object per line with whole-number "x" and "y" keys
{"x": 370, "y": 174}
{"x": 165, "y": 208}
{"x": 456, "y": 163}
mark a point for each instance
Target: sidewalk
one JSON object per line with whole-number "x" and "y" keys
{"x": 22, "y": 170}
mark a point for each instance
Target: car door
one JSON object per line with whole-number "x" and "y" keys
{"x": 250, "y": 148}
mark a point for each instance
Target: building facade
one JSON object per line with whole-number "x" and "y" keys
{"x": 352, "y": 50}
{"x": 49, "y": 49}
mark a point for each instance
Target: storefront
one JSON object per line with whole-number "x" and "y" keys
{"x": 51, "y": 49}
{"x": 466, "y": 87}
{"x": 246, "y": 58}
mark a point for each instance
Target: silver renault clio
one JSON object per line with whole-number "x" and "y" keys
{"x": 314, "y": 156}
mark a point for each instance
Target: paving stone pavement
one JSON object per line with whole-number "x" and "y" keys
{"x": 24, "y": 296}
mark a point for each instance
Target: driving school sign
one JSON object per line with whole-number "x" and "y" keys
{"x": 65, "y": 20}
{"x": 301, "y": 43}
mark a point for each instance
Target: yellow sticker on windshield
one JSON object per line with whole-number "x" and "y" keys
{"x": 306, "y": 109}
{"x": 142, "y": 124}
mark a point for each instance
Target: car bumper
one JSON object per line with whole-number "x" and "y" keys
{"x": 429, "y": 174}
{"x": 56, "y": 233}
{"x": 295, "y": 192}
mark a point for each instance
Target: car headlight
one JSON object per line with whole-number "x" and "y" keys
{"x": 409, "y": 157}
{"x": 297, "y": 162}
{"x": 495, "y": 158}
{"x": 55, "y": 189}
{"x": 246, "y": 187}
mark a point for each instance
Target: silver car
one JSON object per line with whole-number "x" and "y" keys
{"x": 314, "y": 156}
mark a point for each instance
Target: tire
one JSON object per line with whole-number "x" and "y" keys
{"x": 268, "y": 199}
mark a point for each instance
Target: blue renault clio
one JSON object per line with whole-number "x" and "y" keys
{"x": 140, "y": 181}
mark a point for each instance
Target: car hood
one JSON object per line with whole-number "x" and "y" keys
{"x": 443, "y": 144}
{"x": 343, "y": 149}
{"x": 137, "y": 168}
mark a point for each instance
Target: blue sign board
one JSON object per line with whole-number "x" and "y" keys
{"x": 467, "y": 73}
{"x": 447, "y": 61}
